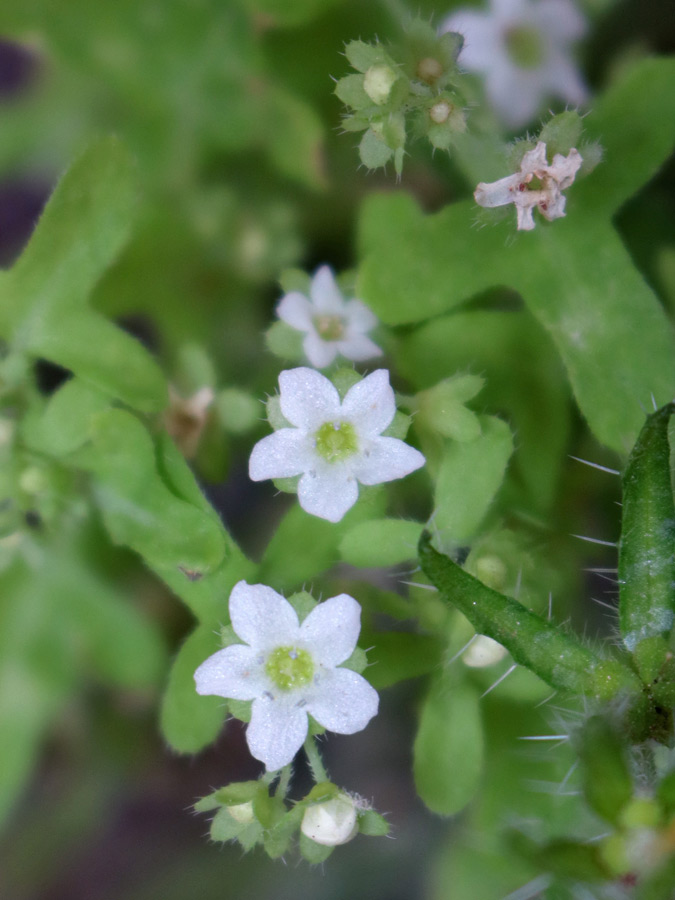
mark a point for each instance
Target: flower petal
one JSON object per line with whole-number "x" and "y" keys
{"x": 325, "y": 293}
{"x": 328, "y": 492}
{"x": 481, "y": 36}
{"x": 308, "y": 399}
{"x": 358, "y": 347}
{"x": 370, "y": 404}
{"x": 343, "y": 701}
{"x": 277, "y": 730}
{"x": 233, "y": 672}
{"x": 319, "y": 352}
{"x": 261, "y": 617}
{"x": 282, "y": 454}
{"x": 359, "y": 317}
{"x": 386, "y": 459}
{"x": 331, "y": 630}
{"x": 295, "y": 310}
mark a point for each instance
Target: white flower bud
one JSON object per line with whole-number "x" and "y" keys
{"x": 377, "y": 83}
{"x": 331, "y": 823}
{"x": 483, "y": 652}
{"x": 242, "y": 813}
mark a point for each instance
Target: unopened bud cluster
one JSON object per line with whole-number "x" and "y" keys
{"x": 412, "y": 88}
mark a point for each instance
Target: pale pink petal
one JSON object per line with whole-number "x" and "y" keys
{"x": 325, "y": 293}
{"x": 308, "y": 399}
{"x": 295, "y": 310}
{"x": 234, "y": 672}
{"x": 498, "y": 193}
{"x": 328, "y": 491}
{"x": 277, "y": 730}
{"x": 331, "y": 630}
{"x": 370, "y": 404}
{"x": 319, "y": 352}
{"x": 342, "y": 701}
{"x": 261, "y": 617}
{"x": 359, "y": 317}
{"x": 282, "y": 454}
{"x": 386, "y": 459}
{"x": 525, "y": 218}
{"x": 358, "y": 347}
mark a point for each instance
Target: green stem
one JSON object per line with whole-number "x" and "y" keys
{"x": 558, "y": 659}
{"x": 315, "y": 762}
{"x": 284, "y": 781}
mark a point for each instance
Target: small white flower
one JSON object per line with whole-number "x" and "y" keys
{"x": 332, "y": 822}
{"x": 523, "y": 47}
{"x": 290, "y": 669}
{"x": 331, "y": 324}
{"x": 519, "y": 190}
{"x": 333, "y": 445}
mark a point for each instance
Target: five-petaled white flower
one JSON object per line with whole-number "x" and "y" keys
{"x": 519, "y": 189}
{"x": 333, "y": 445}
{"x": 523, "y": 47}
{"x": 290, "y": 670}
{"x": 331, "y": 324}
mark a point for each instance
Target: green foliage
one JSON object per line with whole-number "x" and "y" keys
{"x": 190, "y": 722}
{"x": 43, "y": 298}
{"x": 469, "y": 476}
{"x": 606, "y": 777}
{"x": 646, "y": 562}
{"x": 380, "y": 542}
{"x": 448, "y": 751}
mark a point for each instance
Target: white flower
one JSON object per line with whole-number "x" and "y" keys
{"x": 332, "y": 822}
{"x": 332, "y": 324}
{"x": 333, "y": 445}
{"x": 290, "y": 669}
{"x": 523, "y": 47}
{"x": 546, "y": 196}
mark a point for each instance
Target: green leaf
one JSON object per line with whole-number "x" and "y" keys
{"x": 189, "y": 721}
{"x": 312, "y": 852}
{"x": 490, "y": 341}
{"x": 350, "y": 90}
{"x": 635, "y": 123}
{"x": 380, "y": 542}
{"x": 557, "y": 658}
{"x": 362, "y": 56}
{"x": 468, "y": 480}
{"x": 567, "y": 859}
{"x": 65, "y": 423}
{"x": 237, "y": 793}
{"x": 373, "y": 824}
{"x": 139, "y": 509}
{"x": 646, "y": 559}
{"x": 224, "y": 827}
{"x": 374, "y": 150}
{"x": 278, "y": 838}
{"x": 448, "y": 750}
{"x": 398, "y": 655}
{"x": 43, "y": 297}
{"x": 607, "y": 782}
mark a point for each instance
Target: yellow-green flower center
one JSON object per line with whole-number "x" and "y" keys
{"x": 336, "y": 441}
{"x": 289, "y": 667}
{"x": 330, "y": 328}
{"x": 524, "y": 46}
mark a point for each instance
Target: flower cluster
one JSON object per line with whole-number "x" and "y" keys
{"x": 523, "y": 47}
{"x": 414, "y": 87}
{"x": 537, "y": 185}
